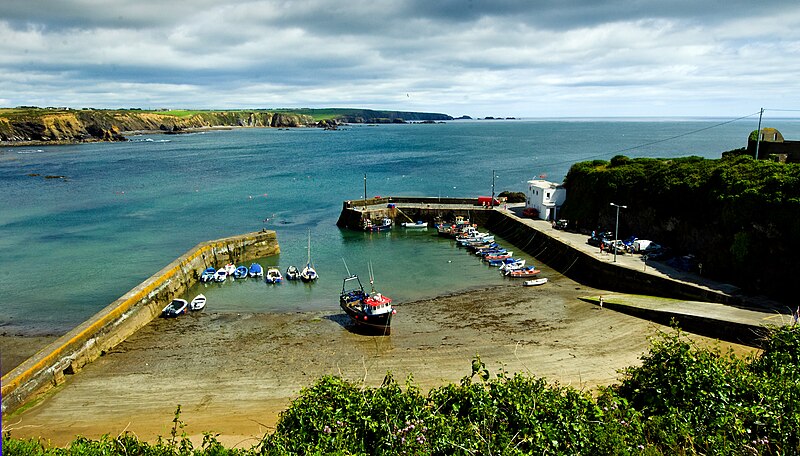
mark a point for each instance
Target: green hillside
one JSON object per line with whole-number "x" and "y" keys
{"x": 736, "y": 216}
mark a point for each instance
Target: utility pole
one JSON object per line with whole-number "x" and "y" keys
{"x": 365, "y": 191}
{"x": 616, "y": 229}
{"x": 758, "y": 134}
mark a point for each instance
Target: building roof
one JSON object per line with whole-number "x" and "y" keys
{"x": 540, "y": 183}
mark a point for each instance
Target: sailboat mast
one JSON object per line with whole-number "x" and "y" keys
{"x": 308, "y": 263}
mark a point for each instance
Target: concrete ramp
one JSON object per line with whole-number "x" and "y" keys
{"x": 720, "y": 321}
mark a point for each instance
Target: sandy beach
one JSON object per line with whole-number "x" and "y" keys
{"x": 233, "y": 374}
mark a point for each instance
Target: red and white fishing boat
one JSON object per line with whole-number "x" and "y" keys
{"x": 371, "y": 312}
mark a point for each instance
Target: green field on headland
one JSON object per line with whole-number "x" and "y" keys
{"x": 25, "y": 125}
{"x": 682, "y": 400}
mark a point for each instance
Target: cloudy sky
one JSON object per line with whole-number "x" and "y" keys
{"x": 522, "y": 58}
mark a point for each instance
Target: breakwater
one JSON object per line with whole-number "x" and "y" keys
{"x": 68, "y": 354}
{"x": 575, "y": 263}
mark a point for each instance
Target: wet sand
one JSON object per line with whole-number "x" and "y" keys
{"x": 14, "y": 349}
{"x": 233, "y": 374}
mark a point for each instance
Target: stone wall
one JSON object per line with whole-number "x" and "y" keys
{"x": 112, "y": 325}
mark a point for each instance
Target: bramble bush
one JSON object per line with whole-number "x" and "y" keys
{"x": 682, "y": 399}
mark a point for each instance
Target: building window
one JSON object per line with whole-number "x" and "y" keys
{"x": 548, "y": 194}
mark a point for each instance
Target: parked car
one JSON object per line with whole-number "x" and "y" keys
{"x": 560, "y": 224}
{"x": 530, "y": 212}
{"x": 609, "y": 246}
{"x": 598, "y": 238}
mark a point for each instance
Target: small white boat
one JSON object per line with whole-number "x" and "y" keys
{"x": 273, "y": 276}
{"x": 309, "y": 274}
{"x": 534, "y": 282}
{"x": 175, "y": 308}
{"x": 292, "y": 273}
{"x": 198, "y": 302}
{"x": 417, "y": 224}
{"x": 220, "y": 275}
{"x": 230, "y": 268}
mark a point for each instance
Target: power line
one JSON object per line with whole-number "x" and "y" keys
{"x": 658, "y": 141}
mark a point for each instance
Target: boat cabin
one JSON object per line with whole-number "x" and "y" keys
{"x": 377, "y": 304}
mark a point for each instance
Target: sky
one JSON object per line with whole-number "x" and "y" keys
{"x": 501, "y": 58}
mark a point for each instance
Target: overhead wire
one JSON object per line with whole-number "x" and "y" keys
{"x": 650, "y": 143}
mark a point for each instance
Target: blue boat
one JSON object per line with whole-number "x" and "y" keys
{"x": 208, "y": 275}
{"x": 241, "y": 272}
{"x": 256, "y": 270}
{"x": 503, "y": 261}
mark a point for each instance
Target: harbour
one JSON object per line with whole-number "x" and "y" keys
{"x": 443, "y": 274}
{"x": 87, "y": 342}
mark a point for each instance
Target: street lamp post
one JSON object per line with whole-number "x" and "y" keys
{"x": 492, "y": 200}
{"x": 616, "y": 229}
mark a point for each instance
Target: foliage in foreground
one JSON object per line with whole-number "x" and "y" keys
{"x": 681, "y": 400}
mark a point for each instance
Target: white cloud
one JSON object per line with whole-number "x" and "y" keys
{"x": 480, "y": 58}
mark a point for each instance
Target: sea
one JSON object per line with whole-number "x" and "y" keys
{"x": 81, "y": 225}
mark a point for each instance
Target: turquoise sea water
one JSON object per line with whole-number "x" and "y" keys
{"x": 71, "y": 246}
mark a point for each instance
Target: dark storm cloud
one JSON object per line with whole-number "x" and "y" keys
{"x": 458, "y": 56}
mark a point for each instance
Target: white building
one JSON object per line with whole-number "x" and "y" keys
{"x": 546, "y": 197}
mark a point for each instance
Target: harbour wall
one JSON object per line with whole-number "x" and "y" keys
{"x": 52, "y": 365}
{"x": 585, "y": 268}
{"x": 562, "y": 257}
{"x": 407, "y": 209}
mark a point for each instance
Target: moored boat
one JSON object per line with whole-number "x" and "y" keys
{"x": 534, "y": 282}
{"x": 273, "y": 276}
{"x": 220, "y": 275}
{"x": 417, "y": 224}
{"x": 527, "y": 271}
{"x": 240, "y": 272}
{"x": 255, "y": 270}
{"x": 504, "y": 261}
{"x": 198, "y": 302}
{"x": 518, "y": 263}
{"x": 372, "y": 313}
{"x": 175, "y": 308}
{"x": 230, "y": 268}
{"x": 292, "y": 273}
{"x": 207, "y": 275}
{"x": 309, "y": 274}
{"x": 382, "y": 225}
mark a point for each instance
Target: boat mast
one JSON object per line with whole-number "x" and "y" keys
{"x": 308, "y": 263}
{"x": 371, "y": 277}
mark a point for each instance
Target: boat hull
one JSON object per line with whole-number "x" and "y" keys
{"x": 372, "y": 324}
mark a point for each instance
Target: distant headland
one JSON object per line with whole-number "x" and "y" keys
{"x": 27, "y": 125}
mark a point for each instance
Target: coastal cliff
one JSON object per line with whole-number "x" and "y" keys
{"x": 67, "y": 126}
{"x": 27, "y": 125}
